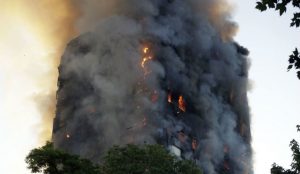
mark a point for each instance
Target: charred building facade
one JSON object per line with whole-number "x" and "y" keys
{"x": 158, "y": 71}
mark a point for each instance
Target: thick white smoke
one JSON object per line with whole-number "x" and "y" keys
{"x": 107, "y": 95}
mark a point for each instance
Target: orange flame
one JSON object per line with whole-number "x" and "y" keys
{"x": 181, "y": 103}
{"x": 146, "y": 49}
{"x": 145, "y": 60}
{"x": 146, "y": 57}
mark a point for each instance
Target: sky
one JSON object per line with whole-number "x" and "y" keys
{"x": 16, "y": 123}
{"x": 273, "y": 95}
{"x": 275, "y": 92}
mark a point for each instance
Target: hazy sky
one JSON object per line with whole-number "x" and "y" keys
{"x": 276, "y": 93}
{"x": 273, "y": 97}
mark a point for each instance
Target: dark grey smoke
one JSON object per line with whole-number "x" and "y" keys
{"x": 105, "y": 97}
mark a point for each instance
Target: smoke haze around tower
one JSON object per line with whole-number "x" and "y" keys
{"x": 156, "y": 71}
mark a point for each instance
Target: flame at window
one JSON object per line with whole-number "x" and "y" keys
{"x": 181, "y": 103}
{"x": 146, "y": 57}
{"x": 146, "y": 49}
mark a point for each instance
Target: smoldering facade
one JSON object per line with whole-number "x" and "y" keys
{"x": 158, "y": 71}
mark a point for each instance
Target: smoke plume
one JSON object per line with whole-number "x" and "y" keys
{"x": 55, "y": 27}
{"x": 33, "y": 36}
{"x": 156, "y": 71}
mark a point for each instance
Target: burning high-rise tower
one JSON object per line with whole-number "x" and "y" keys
{"x": 158, "y": 71}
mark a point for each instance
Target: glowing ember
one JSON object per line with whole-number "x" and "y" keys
{"x": 181, "y": 104}
{"x": 146, "y": 56}
{"x": 145, "y": 60}
{"x": 146, "y": 49}
{"x": 170, "y": 98}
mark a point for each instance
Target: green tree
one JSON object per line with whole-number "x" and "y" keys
{"x": 295, "y": 166}
{"x": 150, "y": 159}
{"x": 131, "y": 159}
{"x": 49, "y": 160}
{"x": 281, "y": 7}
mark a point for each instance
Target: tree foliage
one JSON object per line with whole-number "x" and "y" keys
{"x": 294, "y": 61}
{"x": 280, "y": 170}
{"x": 151, "y": 159}
{"x": 281, "y": 7}
{"x": 53, "y": 161}
{"x": 295, "y": 166}
{"x": 131, "y": 159}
